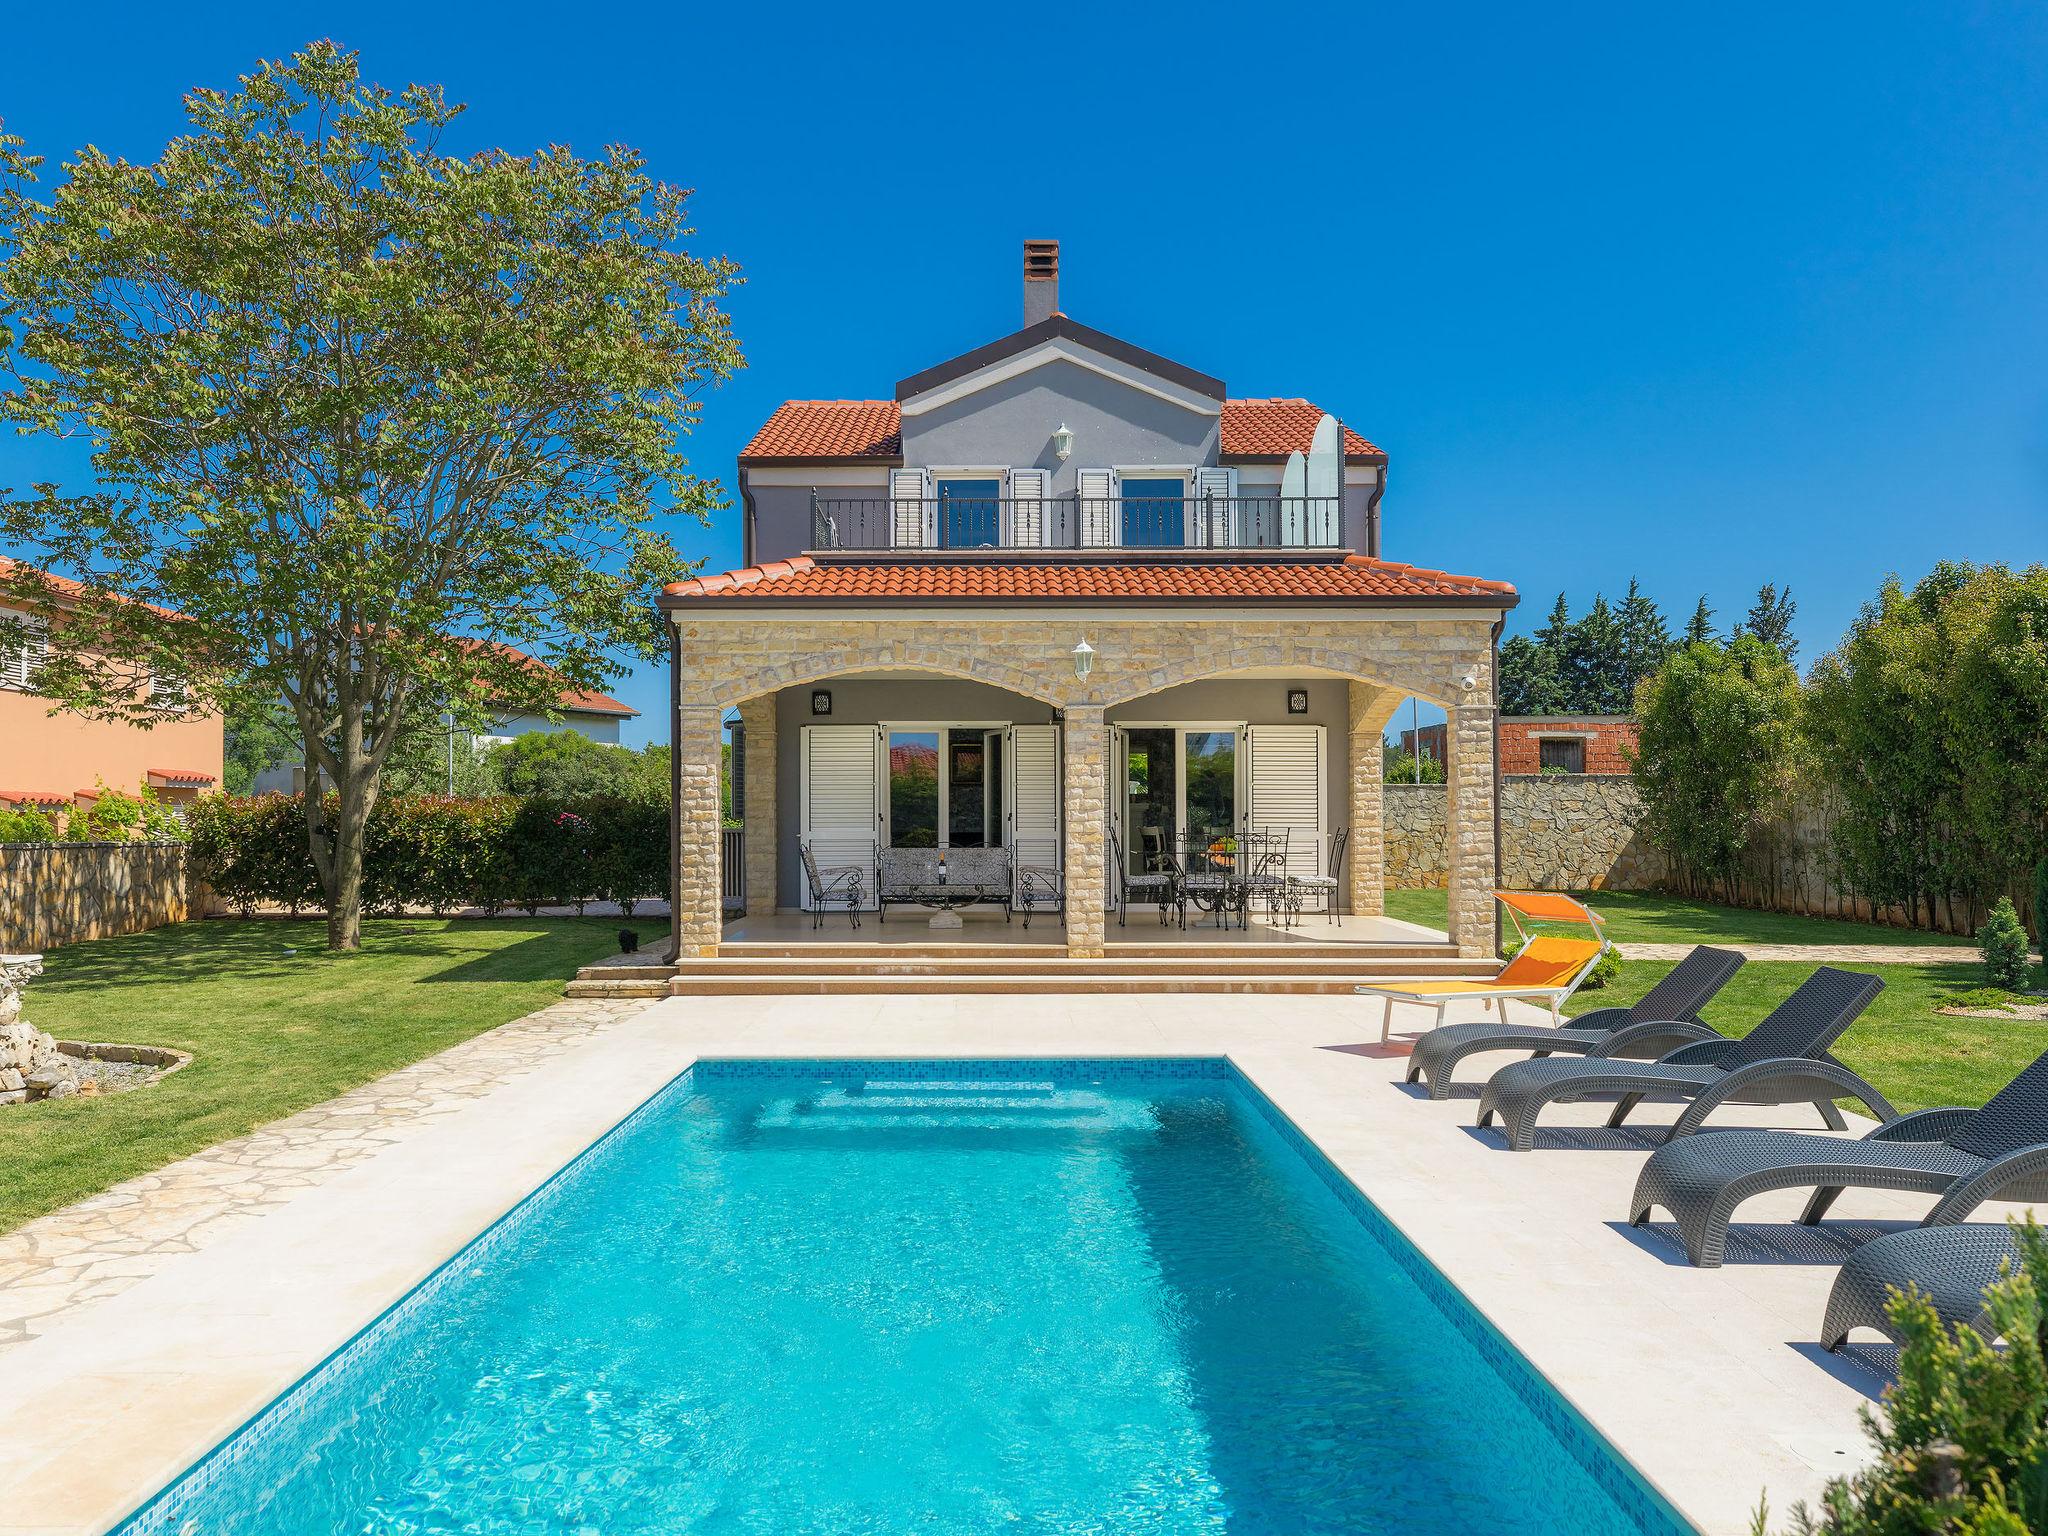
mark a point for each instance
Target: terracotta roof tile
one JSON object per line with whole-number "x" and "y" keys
{"x": 829, "y": 429}
{"x": 1352, "y": 579}
{"x": 1276, "y": 428}
{"x": 872, "y": 429}
{"x": 180, "y": 777}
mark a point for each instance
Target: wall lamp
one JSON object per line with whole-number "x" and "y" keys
{"x": 1084, "y": 660}
{"x": 1062, "y": 443}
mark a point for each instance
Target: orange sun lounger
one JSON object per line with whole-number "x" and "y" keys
{"x": 1547, "y": 969}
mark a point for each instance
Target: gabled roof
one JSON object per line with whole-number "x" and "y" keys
{"x": 1059, "y": 328}
{"x": 1352, "y": 579}
{"x": 870, "y": 432}
{"x": 582, "y": 701}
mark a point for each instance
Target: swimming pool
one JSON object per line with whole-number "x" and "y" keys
{"x": 882, "y": 1297}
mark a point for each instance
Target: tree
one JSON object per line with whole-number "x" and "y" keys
{"x": 1715, "y": 754}
{"x": 1594, "y": 663}
{"x": 566, "y": 765}
{"x": 1770, "y": 620}
{"x": 1699, "y": 629}
{"x": 1645, "y": 641}
{"x": 1530, "y": 682}
{"x": 1998, "y": 716}
{"x": 349, "y": 397}
{"x": 1585, "y": 667}
{"x": 1876, "y": 719}
{"x": 259, "y": 736}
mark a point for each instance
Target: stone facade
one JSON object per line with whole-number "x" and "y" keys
{"x": 757, "y": 715}
{"x": 1372, "y": 707}
{"x": 727, "y": 657}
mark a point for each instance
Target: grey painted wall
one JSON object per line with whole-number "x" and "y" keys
{"x": 782, "y": 513}
{"x": 1011, "y": 425}
{"x": 1257, "y": 701}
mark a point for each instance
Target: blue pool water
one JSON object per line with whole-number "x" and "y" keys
{"x": 1043, "y": 1297}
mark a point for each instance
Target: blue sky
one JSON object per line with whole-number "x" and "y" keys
{"x": 1710, "y": 297}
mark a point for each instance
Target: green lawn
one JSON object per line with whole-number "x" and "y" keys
{"x": 274, "y": 1024}
{"x": 1649, "y": 917}
{"x": 1915, "y": 1056}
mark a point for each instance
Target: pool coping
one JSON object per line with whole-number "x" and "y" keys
{"x": 656, "y": 1046}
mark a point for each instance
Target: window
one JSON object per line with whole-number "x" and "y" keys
{"x": 945, "y": 786}
{"x": 1561, "y": 754}
{"x": 23, "y": 648}
{"x": 914, "y": 789}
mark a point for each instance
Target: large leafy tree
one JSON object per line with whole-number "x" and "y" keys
{"x": 1716, "y": 754}
{"x": 1770, "y": 620}
{"x": 358, "y": 408}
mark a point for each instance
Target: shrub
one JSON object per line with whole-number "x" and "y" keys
{"x": 2041, "y": 905}
{"x": 1401, "y": 769}
{"x": 442, "y": 854}
{"x": 2004, "y": 945}
{"x": 30, "y": 824}
{"x": 1963, "y": 1444}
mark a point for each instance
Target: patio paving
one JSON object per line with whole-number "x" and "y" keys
{"x": 133, "y": 1375}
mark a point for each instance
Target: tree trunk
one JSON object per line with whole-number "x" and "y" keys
{"x": 345, "y": 890}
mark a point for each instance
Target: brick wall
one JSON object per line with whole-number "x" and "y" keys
{"x": 1604, "y": 737}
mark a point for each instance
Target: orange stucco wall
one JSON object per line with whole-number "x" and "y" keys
{"x": 69, "y": 754}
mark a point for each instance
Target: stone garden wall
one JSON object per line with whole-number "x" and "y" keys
{"x": 53, "y": 894}
{"x": 1557, "y": 832}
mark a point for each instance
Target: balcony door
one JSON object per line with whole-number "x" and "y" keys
{"x": 970, "y": 512}
{"x": 1179, "y": 782}
{"x": 1154, "y": 512}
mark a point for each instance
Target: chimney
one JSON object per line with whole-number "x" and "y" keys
{"x": 1041, "y": 280}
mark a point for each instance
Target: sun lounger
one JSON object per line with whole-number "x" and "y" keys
{"x": 1546, "y": 970}
{"x": 1950, "y": 1266}
{"x": 1666, "y": 1017}
{"x": 1783, "y": 1060}
{"x": 1966, "y": 1156}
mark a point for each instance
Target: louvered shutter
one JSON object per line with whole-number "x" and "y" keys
{"x": 1031, "y": 758}
{"x": 912, "y": 515}
{"x": 19, "y": 657}
{"x": 1027, "y": 508}
{"x": 1286, "y": 775}
{"x": 1213, "y": 524}
{"x": 840, "y": 774}
{"x": 1096, "y": 497}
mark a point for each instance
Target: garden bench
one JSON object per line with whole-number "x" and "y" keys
{"x": 945, "y": 878}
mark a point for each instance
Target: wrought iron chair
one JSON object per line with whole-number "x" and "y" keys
{"x": 1153, "y": 885}
{"x": 1208, "y": 876}
{"x": 1325, "y": 886}
{"x": 1262, "y": 876}
{"x": 835, "y": 883}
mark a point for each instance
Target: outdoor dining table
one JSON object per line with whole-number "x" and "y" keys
{"x": 1221, "y": 873}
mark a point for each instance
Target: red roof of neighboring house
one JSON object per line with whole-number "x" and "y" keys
{"x": 179, "y": 777}
{"x": 34, "y": 797}
{"x": 61, "y": 589}
{"x": 870, "y": 431}
{"x": 581, "y": 700}
{"x": 1352, "y": 579}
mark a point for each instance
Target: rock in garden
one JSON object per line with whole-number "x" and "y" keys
{"x": 63, "y": 1088}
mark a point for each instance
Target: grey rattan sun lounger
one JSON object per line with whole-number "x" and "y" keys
{"x": 1666, "y": 1016}
{"x": 1783, "y": 1060}
{"x": 1966, "y": 1156}
{"x": 1950, "y": 1266}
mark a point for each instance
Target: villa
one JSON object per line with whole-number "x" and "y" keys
{"x": 1060, "y": 601}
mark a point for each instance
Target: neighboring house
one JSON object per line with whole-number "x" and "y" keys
{"x": 1565, "y": 743}
{"x": 595, "y": 715}
{"x": 1430, "y": 743}
{"x": 1074, "y": 586}
{"x": 53, "y": 759}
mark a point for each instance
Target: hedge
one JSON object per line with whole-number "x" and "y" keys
{"x": 442, "y": 854}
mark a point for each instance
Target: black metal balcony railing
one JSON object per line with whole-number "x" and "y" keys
{"x": 1077, "y": 522}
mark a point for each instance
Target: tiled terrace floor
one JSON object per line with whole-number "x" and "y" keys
{"x": 1707, "y": 1379}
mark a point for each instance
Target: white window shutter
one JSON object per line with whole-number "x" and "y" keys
{"x": 20, "y": 657}
{"x": 1214, "y": 524}
{"x": 841, "y": 771}
{"x": 911, "y": 513}
{"x": 1097, "y": 504}
{"x": 1287, "y": 780}
{"x": 1027, "y": 508}
{"x": 1031, "y": 764}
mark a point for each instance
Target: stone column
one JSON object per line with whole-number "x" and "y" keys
{"x": 1084, "y": 815}
{"x": 757, "y": 716}
{"x": 1366, "y": 855}
{"x": 1473, "y": 872}
{"x": 699, "y": 918}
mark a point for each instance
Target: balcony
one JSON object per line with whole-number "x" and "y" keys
{"x": 1059, "y": 523}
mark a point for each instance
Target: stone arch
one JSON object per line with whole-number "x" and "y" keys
{"x": 1355, "y": 663}
{"x": 904, "y": 654}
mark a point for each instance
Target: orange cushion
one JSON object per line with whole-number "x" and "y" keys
{"x": 1548, "y": 961}
{"x": 1547, "y": 906}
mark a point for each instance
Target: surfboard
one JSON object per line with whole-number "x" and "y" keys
{"x": 1325, "y": 481}
{"x": 1294, "y": 500}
